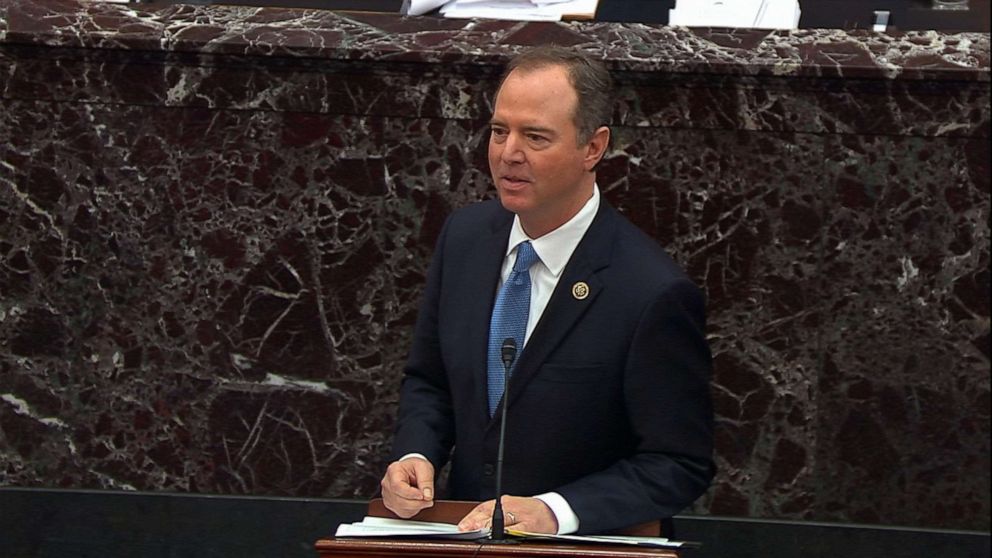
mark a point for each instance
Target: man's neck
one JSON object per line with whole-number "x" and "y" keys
{"x": 537, "y": 226}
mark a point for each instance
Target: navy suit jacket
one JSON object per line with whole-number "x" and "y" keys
{"x": 609, "y": 401}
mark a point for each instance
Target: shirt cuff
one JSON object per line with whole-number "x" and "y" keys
{"x": 420, "y": 455}
{"x": 568, "y": 522}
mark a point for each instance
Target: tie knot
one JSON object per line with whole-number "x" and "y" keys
{"x": 526, "y": 256}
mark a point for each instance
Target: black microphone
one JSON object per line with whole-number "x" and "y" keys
{"x": 508, "y": 353}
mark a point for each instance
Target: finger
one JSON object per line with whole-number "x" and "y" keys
{"x": 406, "y": 509}
{"x": 471, "y": 521}
{"x": 403, "y": 507}
{"x": 424, "y": 478}
{"x": 398, "y": 481}
{"x": 478, "y": 518}
{"x": 397, "y": 505}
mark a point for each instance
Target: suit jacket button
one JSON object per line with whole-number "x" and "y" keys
{"x": 488, "y": 469}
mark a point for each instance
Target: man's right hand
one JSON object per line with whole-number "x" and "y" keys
{"x": 408, "y": 486}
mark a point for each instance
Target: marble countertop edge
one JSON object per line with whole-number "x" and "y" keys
{"x": 391, "y": 38}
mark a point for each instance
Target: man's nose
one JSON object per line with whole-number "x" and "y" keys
{"x": 513, "y": 151}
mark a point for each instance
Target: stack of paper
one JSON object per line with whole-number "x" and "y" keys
{"x": 420, "y": 7}
{"x": 519, "y": 10}
{"x": 658, "y": 542}
{"x": 384, "y": 527}
{"x": 759, "y": 14}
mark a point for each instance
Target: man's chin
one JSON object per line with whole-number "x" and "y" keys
{"x": 514, "y": 202}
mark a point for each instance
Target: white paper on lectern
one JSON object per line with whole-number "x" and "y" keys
{"x": 715, "y": 13}
{"x": 760, "y": 14}
{"x": 780, "y": 14}
{"x": 487, "y": 11}
{"x": 656, "y": 542}
{"x": 519, "y": 10}
{"x": 386, "y": 527}
{"x": 420, "y": 7}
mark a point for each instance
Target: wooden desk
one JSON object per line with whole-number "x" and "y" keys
{"x": 364, "y": 548}
{"x": 451, "y": 512}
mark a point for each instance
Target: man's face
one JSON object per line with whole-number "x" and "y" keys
{"x": 540, "y": 171}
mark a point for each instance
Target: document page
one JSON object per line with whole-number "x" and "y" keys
{"x": 385, "y": 527}
{"x": 756, "y": 14}
{"x": 656, "y": 542}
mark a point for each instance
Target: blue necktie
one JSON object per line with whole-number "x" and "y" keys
{"x": 509, "y": 319}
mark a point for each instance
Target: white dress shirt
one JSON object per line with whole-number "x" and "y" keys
{"x": 554, "y": 249}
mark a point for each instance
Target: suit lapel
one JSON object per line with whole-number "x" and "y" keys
{"x": 564, "y": 309}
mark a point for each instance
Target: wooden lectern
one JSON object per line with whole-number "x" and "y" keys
{"x": 452, "y": 512}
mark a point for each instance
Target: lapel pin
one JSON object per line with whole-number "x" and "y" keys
{"x": 580, "y": 290}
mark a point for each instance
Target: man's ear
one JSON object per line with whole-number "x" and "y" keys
{"x": 596, "y": 147}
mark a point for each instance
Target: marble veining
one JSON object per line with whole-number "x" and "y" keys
{"x": 387, "y": 37}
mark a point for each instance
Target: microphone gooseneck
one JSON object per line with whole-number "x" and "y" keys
{"x": 508, "y": 354}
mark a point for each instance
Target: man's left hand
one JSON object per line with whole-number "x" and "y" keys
{"x": 522, "y": 514}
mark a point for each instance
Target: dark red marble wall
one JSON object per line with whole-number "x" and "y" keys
{"x": 214, "y": 226}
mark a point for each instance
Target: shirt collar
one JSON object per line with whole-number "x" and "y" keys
{"x": 556, "y": 247}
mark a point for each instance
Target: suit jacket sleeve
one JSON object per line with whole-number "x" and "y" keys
{"x": 426, "y": 424}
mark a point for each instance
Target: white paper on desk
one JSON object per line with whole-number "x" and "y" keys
{"x": 489, "y": 12}
{"x": 657, "y": 542}
{"x": 715, "y": 13}
{"x": 519, "y": 10}
{"x": 385, "y": 527}
{"x": 420, "y": 7}
{"x": 779, "y": 15}
{"x": 508, "y": 4}
{"x": 760, "y": 14}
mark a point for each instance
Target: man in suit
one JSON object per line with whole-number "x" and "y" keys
{"x": 609, "y": 416}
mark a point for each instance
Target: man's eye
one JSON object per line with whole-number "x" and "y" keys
{"x": 498, "y": 132}
{"x": 536, "y": 138}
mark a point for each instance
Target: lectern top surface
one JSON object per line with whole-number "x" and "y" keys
{"x": 348, "y": 548}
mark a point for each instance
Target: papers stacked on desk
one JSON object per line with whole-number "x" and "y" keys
{"x": 384, "y": 527}
{"x": 656, "y": 542}
{"x": 758, "y": 14}
{"x": 519, "y": 10}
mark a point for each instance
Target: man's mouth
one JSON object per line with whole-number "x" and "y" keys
{"x": 514, "y": 181}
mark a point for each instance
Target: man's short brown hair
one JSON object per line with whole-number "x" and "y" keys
{"x": 589, "y": 77}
